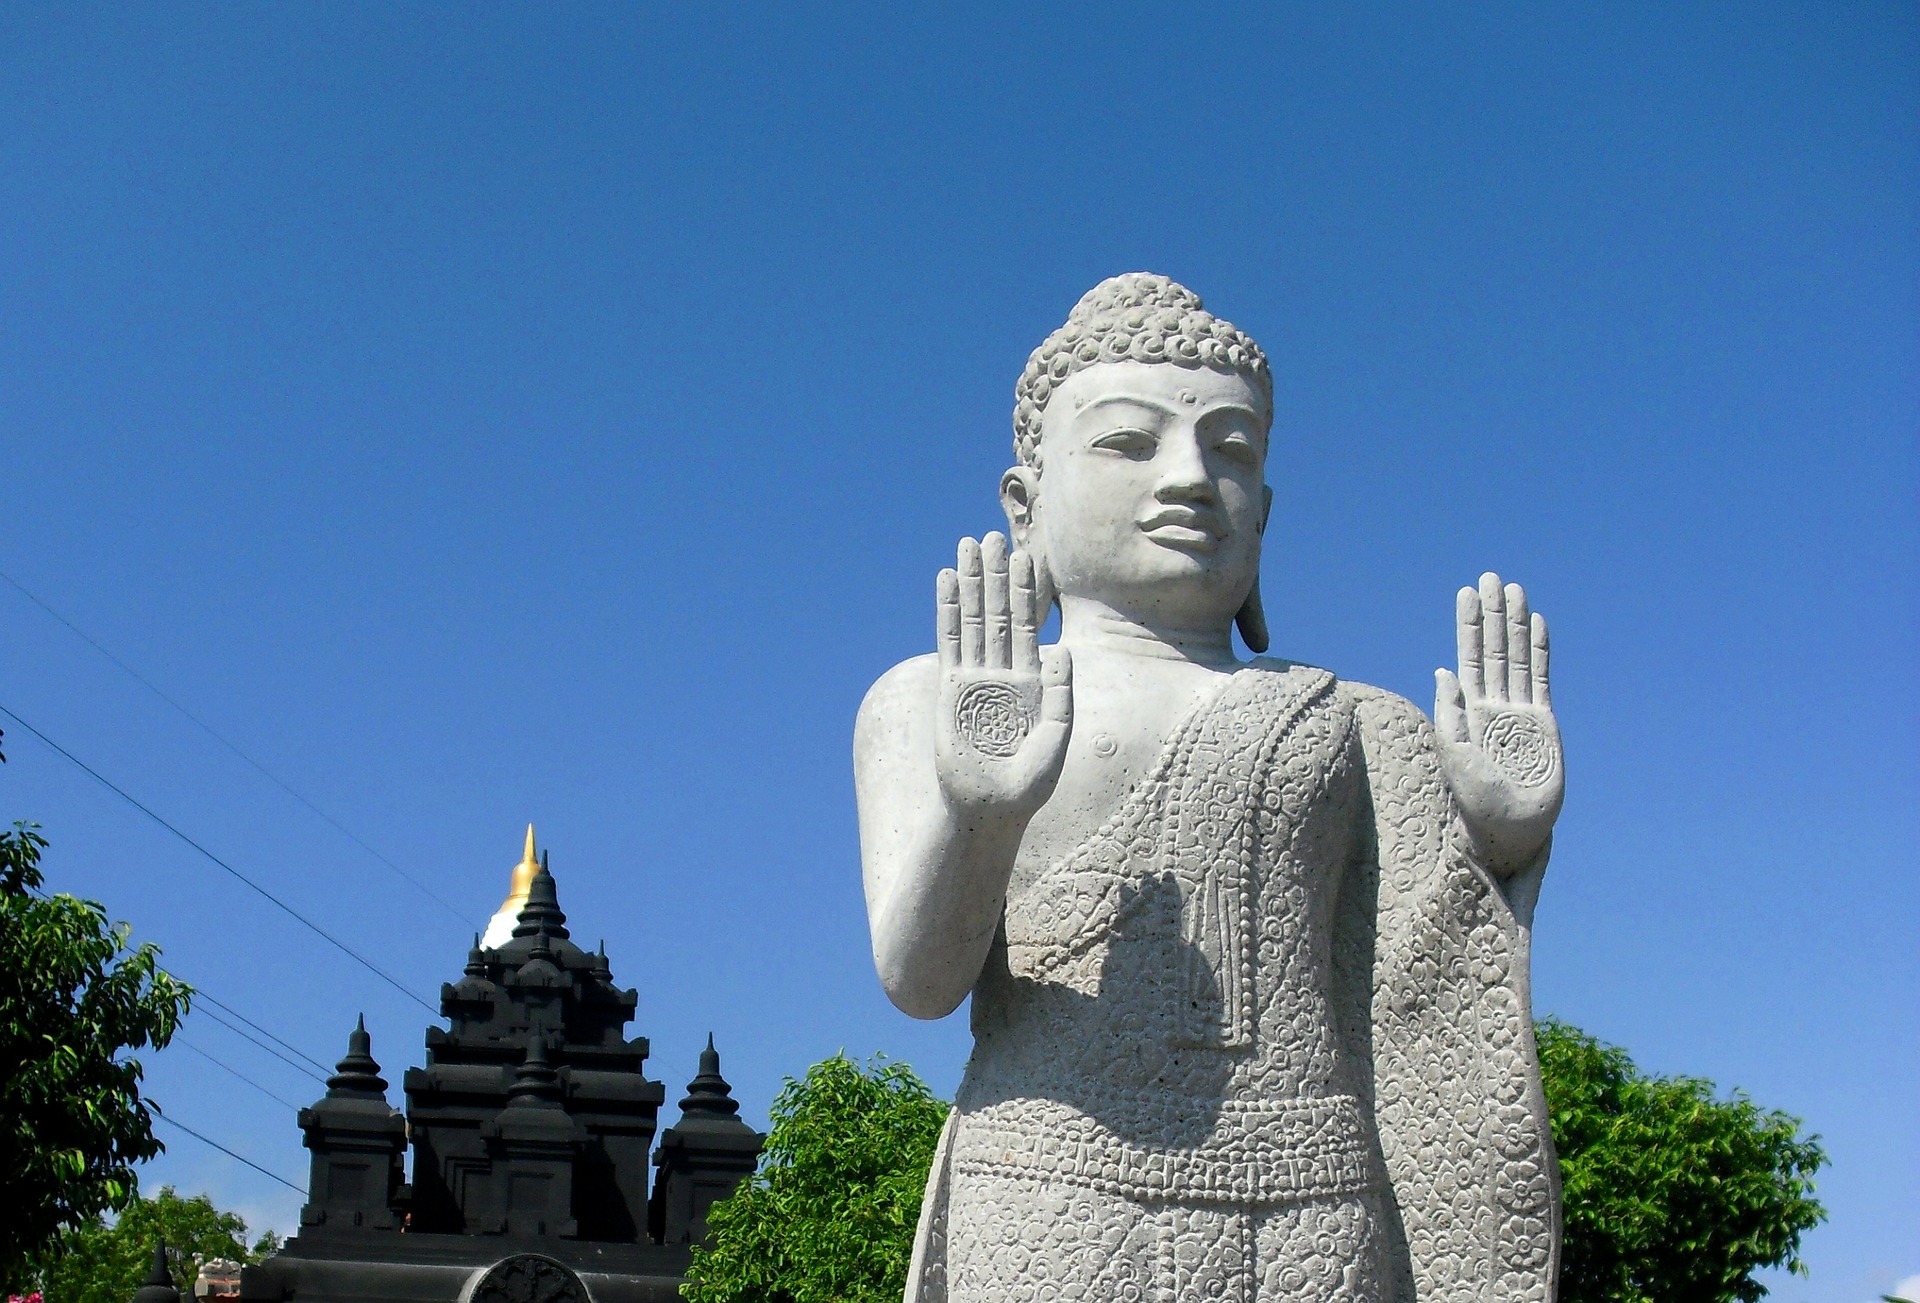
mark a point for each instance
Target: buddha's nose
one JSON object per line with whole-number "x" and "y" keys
{"x": 1183, "y": 471}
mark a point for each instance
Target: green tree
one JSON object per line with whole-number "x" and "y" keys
{"x": 830, "y": 1217}
{"x": 102, "y": 1262}
{"x": 73, "y": 1001}
{"x": 1671, "y": 1195}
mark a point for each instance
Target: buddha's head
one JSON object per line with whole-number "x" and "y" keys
{"x": 1140, "y": 431}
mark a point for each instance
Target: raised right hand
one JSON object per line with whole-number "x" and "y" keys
{"x": 1006, "y": 709}
{"x": 1499, "y": 742}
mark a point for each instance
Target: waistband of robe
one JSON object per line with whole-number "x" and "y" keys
{"x": 1258, "y": 1152}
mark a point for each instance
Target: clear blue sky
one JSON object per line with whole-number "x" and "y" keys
{"x": 490, "y": 414}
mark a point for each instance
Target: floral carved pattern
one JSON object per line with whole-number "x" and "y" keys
{"x": 1176, "y": 1090}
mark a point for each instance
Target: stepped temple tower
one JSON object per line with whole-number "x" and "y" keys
{"x": 531, "y": 1126}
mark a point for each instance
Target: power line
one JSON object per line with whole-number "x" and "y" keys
{"x": 213, "y": 733}
{"x": 312, "y": 926}
{"x": 207, "y": 1140}
{"x": 201, "y": 993}
{"x": 184, "y": 1042}
{"x": 297, "y": 1067}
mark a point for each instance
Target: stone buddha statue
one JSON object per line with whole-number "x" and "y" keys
{"x": 1247, "y": 943}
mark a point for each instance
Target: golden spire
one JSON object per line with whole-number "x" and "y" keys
{"x": 500, "y": 928}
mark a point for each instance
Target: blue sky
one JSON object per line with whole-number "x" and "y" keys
{"x": 496, "y": 415}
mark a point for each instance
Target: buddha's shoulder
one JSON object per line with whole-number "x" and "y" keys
{"x": 906, "y": 689}
{"x": 1372, "y": 708}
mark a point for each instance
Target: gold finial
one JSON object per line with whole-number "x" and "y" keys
{"x": 522, "y": 877}
{"x": 500, "y": 929}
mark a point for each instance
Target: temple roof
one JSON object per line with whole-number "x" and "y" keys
{"x": 358, "y": 1074}
{"x": 531, "y": 1125}
{"x": 535, "y": 1055}
{"x": 537, "y": 979}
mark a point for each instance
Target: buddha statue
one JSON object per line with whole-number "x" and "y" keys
{"x": 1247, "y": 944}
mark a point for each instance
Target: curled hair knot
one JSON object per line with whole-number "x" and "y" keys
{"x": 1141, "y": 317}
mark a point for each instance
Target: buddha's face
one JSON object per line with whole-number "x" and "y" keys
{"x": 1151, "y": 496}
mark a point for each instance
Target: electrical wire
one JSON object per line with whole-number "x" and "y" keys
{"x": 213, "y": 733}
{"x": 297, "y": 1067}
{"x": 312, "y": 926}
{"x": 187, "y": 1044}
{"x": 200, "y": 993}
{"x": 241, "y": 1158}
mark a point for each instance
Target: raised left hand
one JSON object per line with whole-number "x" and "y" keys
{"x": 1499, "y": 744}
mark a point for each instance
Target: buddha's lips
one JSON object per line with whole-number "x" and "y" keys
{"x": 1183, "y": 527}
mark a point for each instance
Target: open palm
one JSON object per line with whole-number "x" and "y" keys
{"x": 1005, "y": 709}
{"x": 1499, "y": 743}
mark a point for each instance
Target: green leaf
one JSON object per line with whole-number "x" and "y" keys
{"x": 1670, "y": 1193}
{"x": 101, "y": 1263}
{"x": 74, "y": 1000}
{"x": 830, "y": 1217}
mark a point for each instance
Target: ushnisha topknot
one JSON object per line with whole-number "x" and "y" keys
{"x": 1133, "y": 317}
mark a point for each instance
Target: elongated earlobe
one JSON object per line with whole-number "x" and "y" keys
{"x": 1042, "y": 581}
{"x": 1252, "y": 620}
{"x": 1020, "y": 499}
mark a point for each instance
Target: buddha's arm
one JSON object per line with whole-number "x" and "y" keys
{"x": 936, "y": 875}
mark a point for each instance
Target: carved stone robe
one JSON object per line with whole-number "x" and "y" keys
{"x": 1264, "y": 1035}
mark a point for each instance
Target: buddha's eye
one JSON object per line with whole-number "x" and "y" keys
{"x": 1237, "y": 447}
{"x": 1126, "y": 441}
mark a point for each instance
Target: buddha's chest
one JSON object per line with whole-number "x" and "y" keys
{"x": 1123, "y": 718}
{"x": 1201, "y": 900}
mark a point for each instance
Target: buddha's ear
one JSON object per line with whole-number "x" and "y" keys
{"x": 1020, "y": 499}
{"x": 1251, "y": 620}
{"x": 1252, "y": 617}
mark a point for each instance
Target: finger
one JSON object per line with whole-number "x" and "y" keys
{"x": 993, "y": 560}
{"x": 946, "y": 592}
{"x": 1542, "y": 695}
{"x": 1056, "y": 678}
{"x": 1493, "y": 625}
{"x": 1449, "y": 707}
{"x": 1519, "y": 648}
{"x": 972, "y": 602}
{"x": 1466, "y": 621}
{"x": 1024, "y": 596}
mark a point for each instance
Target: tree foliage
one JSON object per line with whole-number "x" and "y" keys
{"x": 73, "y": 1001}
{"x": 1671, "y": 1195}
{"x": 830, "y": 1217}
{"x": 105, "y": 1263}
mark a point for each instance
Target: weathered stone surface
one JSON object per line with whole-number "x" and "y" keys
{"x": 1247, "y": 944}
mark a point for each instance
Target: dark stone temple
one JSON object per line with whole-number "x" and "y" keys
{"x": 531, "y": 1126}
